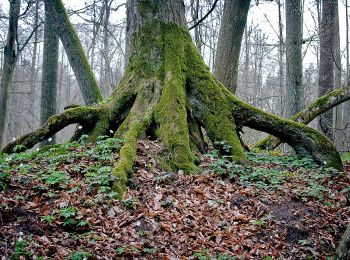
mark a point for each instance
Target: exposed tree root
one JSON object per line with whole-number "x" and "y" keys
{"x": 318, "y": 107}
{"x": 86, "y": 116}
{"x": 167, "y": 84}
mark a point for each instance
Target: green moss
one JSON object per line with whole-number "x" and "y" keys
{"x": 216, "y": 111}
{"x": 127, "y": 157}
{"x": 320, "y": 102}
{"x": 314, "y": 144}
{"x": 305, "y": 116}
{"x": 171, "y": 111}
{"x": 89, "y": 86}
{"x": 102, "y": 124}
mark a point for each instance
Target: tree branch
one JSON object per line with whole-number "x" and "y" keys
{"x": 205, "y": 16}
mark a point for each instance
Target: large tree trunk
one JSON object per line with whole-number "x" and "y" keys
{"x": 294, "y": 67}
{"x": 75, "y": 52}
{"x": 168, "y": 89}
{"x": 326, "y": 70}
{"x": 10, "y": 57}
{"x": 229, "y": 44}
{"x": 49, "y": 75}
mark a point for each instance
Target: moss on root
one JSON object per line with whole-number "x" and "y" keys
{"x": 127, "y": 157}
{"x": 213, "y": 109}
{"x": 171, "y": 111}
{"x": 316, "y": 108}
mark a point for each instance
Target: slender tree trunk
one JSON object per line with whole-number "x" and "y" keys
{"x": 10, "y": 58}
{"x": 347, "y": 105}
{"x": 280, "y": 58}
{"x": 294, "y": 68}
{"x": 49, "y": 75}
{"x": 229, "y": 44}
{"x": 247, "y": 57}
{"x": 326, "y": 70}
{"x": 33, "y": 71}
{"x": 106, "y": 81}
{"x": 75, "y": 52}
{"x": 338, "y": 122}
{"x": 195, "y": 16}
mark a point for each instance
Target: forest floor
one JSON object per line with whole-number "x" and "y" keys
{"x": 57, "y": 203}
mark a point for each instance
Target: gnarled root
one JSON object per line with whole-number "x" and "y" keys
{"x": 319, "y": 106}
{"x": 306, "y": 141}
{"x": 76, "y": 115}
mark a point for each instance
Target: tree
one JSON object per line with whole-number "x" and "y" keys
{"x": 229, "y": 44}
{"x": 33, "y": 70}
{"x": 294, "y": 67}
{"x": 49, "y": 75}
{"x": 10, "y": 57}
{"x": 326, "y": 70}
{"x": 168, "y": 91}
{"x": 75, "y": 52}
{"x": 338, "y": 122}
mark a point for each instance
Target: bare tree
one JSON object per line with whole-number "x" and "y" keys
{"x": 10, "y": 57}
{"x": 49, "y": 75}
{"x": 294, "y": 68}
{"x": 229, "y": 44}
{"x": 326, "y": 70}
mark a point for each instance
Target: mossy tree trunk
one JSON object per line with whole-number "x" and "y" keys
{"x": 75, "y": 52}
{"x": 167, "y": 85}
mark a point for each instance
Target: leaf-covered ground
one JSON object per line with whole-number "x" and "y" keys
{"x": 57, "y": 203}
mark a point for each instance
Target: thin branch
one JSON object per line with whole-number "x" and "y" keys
{"x": 29, "y": 37}
{"x": 205, "y": 16}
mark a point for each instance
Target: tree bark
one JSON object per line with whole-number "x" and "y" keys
{"x": 10, "y": 58}
{"x": 75, "y": 52}
{"x": 338, "y": 122}
{"x": 33, "y": 70}
{"x": 326, "y": 70}
{"x": 229, "y": 44}
{"x": 294, "y": 67}
{"x": 347, "y": 105}
{"x": 49, "y": 74}
{"x": 280, "y": 58}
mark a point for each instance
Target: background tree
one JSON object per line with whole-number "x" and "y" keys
{"x": 10, "y": 57}
{"x": 229, "y": 44}
{"x": 49, "y": 75}
{"x": 327, "y": 58}
{"x": 294, "y": 68}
